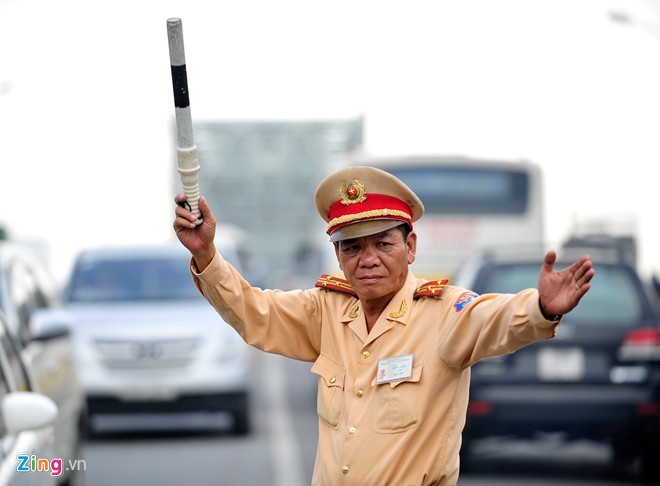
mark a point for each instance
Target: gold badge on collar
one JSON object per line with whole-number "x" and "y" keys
{"x": 401, "y": 312}
{"x": 352, "y": 192}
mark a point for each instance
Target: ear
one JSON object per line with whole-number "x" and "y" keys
{"x": 411, "y": 247}
{"x": 336, "y": 244}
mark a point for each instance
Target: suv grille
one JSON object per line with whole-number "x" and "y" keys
{"x": 141, "y": 354}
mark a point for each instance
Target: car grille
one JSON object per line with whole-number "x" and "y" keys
{"x": 141, "y": 354}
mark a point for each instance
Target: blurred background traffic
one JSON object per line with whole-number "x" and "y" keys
{"x": 543, "y": 117}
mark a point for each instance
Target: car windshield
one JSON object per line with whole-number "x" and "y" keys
{"x": 614, "y": 298}
{"x": 163, "y": 278}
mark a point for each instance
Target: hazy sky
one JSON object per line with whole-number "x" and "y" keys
{"x": 86, "y": 100}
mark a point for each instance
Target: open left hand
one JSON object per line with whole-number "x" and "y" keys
{"x": 560, "y": 291}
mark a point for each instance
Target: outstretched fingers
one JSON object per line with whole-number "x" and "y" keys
{"x": 582, "y": 274}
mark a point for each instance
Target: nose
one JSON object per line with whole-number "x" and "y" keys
{"x": 369, "y": 257}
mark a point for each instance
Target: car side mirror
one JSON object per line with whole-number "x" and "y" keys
{"x": 20, "y": 411}
{"x": 50, "y": 323}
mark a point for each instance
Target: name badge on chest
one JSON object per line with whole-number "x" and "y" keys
{"x": 394, "y": 368}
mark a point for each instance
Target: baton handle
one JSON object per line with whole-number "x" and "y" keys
{"x": 188, "y": 164}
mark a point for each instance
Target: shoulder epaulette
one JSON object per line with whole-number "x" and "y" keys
{"x": 331, "y": 282}
{"x": 433, "y": 288}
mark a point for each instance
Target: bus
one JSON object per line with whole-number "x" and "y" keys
{"x": 471, "y": 205}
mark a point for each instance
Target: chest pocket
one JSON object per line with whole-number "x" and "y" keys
{"x": 330, "y": 399}
{"x": 398, "y": 404}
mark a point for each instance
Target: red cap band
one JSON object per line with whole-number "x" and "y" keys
{"x": 374, "y": 206}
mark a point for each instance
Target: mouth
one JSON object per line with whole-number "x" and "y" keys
{"x": 370, "y": 279}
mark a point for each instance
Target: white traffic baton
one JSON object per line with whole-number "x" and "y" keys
{"x": 188, "y": 164}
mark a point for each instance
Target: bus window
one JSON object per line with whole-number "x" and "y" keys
{"x": 456, "y": 190}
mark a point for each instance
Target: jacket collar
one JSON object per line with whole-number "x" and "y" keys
{"x": 397, "y": 310}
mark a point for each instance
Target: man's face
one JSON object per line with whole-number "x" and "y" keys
{"x": 376, "y": 266}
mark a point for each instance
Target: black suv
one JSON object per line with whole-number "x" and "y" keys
{"x": 599, "y": 379}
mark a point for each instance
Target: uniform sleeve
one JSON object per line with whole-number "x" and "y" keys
{"x": 274, "y": 321}
{"x": 480, "y": 326}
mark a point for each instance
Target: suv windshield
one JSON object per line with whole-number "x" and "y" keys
{"x": 614, "y": 298}
{"x": 132, "y": 279}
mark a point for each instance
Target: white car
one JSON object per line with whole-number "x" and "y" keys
{"x": 31, "y": 303}
{"x": 147, "y": 344}
{"x": 26, "y": 423}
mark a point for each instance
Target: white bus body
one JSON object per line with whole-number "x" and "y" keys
{"x": 470, "y": 205}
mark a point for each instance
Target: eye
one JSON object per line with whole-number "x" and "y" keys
{"x": 350, "y": 249}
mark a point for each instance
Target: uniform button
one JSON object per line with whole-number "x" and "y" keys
{"x": 333, "y": 379}
{"x": 365, "y": 355}
{"x": 345, "y": 470}
{"x": 352, "y": 430}
{"x": 360, "y": 393}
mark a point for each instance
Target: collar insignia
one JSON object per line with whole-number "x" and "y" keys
{"x": 401, "y": 312}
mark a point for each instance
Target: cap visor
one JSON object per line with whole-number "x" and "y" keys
{"x": 364, "y": 228}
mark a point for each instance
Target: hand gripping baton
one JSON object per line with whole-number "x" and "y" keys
{"x": 186, "y": 149}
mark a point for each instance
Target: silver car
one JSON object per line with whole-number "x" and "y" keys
{"x": 27, "y": 455}
{"x": 152, "y": 353}
{"x": 39, "y": 325}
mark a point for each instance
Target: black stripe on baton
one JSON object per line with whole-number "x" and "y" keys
{"x": 180, "y": 86}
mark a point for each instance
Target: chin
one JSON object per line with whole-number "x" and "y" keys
{"x": 371, "y": 291}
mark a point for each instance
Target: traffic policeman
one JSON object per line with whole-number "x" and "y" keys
{"x": 392, "y": 352}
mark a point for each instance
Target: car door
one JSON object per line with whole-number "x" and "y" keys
{"x": 23, "y": 445}
{"x": 49, "y": 359}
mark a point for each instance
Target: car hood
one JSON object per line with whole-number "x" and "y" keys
{"x": 144, "y": 319}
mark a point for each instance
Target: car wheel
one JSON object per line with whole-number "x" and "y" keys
{"x": 623, "y": 452}
{"x": 650, "y": 466}
{"x": 241, "y": 424}
{"x": 90, "y": 432}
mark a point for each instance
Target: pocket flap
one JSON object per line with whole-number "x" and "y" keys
{"x": 332, "y": 372}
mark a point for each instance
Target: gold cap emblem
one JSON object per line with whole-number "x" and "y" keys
{"x": 352, "y": 192}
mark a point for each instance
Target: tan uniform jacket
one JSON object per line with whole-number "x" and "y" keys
{"x": 400, "y": 433}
